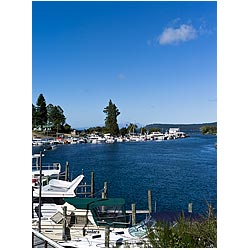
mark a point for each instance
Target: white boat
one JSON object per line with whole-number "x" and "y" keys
{"x": 37, "y": 142}
{"x": 119, "y": 139}
{"x": 59, "y": 188}
{"x": 157, "y": 136}
{"x": 52, "y": 196}
{"x": 87, "y": 219}
{"x": 96, "y": 139}
{"x": 48, "y": 170}
{"x": 109, "y": 138}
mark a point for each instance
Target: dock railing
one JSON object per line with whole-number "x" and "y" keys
{"x": 41, "y": 241}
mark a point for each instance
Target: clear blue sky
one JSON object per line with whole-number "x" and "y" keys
{"x": 157, "y": 61}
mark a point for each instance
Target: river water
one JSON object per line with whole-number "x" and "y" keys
{"x": 177, "y": 172}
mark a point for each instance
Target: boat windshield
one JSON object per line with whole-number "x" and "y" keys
{"x": 140, "y": 230}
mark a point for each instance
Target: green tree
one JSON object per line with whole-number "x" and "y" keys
{"x": 41, "y": 111}
{"x": 111, "y": 112}
{"x": 123, "y": 131}
{"x": 132, "y": 128}
{"x": 34, "y": 116}
{"x": 208, "y": 130}
{"x": 143, "y": 130}
{"x": 154, "y": 130}
{"x": 56, "y": 117}
{"x": 67, "y": 128}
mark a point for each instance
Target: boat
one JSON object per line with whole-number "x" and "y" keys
{"x": 157, "y": 136}
{"x": 86, "y": 220}
{"x": 132, "y": 237}
{"x": 49, "y": 147}
{"x": 95, "y": 139}
{"x": 120, "y": 139}
{"x": 49, "y": 170}
{"x": 109, "y": 138}
{"x": 37, "y": 142}
{"x": 52, "y": 196}
{"x": 59, "y": 188}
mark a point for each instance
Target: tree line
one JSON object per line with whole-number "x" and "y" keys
{"x": 209, "y": 130}
{"x": 48, "y": 117}
{"x": 51, "y": 117}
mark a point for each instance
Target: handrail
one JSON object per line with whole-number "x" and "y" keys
{"x": 45, "y": 239}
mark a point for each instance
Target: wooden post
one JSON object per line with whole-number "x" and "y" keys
{"x": 103, "y": 197}
{"x": 190, "y": 207}
{"x": 150, "y": 201}
{"x": 92, "y": 184}
{"x": 133, "y": 215}
{"x": 107, "y": 236}
{"x": 85, "y": 189}
{"x": 40, "y": 194}
{"x": 67, "y": 171}
{"x": 64, "y": 236}
{"x": 210, "y": 210}
{"x": 105, "y": 189}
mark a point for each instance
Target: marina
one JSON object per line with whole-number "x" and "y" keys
{"x": 60, "y": 219}
{"x": 97, "y": 138}
{"x": 104, "y": 168}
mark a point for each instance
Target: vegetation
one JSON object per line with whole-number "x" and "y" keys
{"x": 186, "y": 233}
{"x": 56, "y": 116}
{"x": 48, "y": 116}
{"x": 154, "y": 130}
{"x": 183, "y": 127}
{"x": 51, "y": 118}
{"x": 209, "y": 130}
{"x": 111, "y": 112}
{"x": 40, "y": 115}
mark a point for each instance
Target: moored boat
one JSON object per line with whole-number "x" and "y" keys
{"x": 83, "y": 222}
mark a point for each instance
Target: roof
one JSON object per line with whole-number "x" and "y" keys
{"x": 112, "y": 212}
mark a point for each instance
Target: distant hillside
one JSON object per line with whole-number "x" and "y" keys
{"x": 183, "y": 127}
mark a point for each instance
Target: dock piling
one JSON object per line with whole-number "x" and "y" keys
{"x": 92, "y": 184}
{"x": 190, "y": 207}
{"x": 107, "y": 231}
{"x": 67, "y": 171}
{"x": 133, "y": 214}
{"x": 64, "y": 236}
{"x": 40, "y": 194}
{"x": 150, "y": 201}
{"x": 105, "y": 189}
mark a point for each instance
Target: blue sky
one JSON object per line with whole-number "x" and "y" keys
{"x": 157, "y": 61}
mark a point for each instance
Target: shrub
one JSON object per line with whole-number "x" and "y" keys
{"x": 186, "y": 233}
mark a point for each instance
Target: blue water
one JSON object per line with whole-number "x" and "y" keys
{"x": 176, "y": 171}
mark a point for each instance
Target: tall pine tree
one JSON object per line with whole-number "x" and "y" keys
{"x": 41, "y": 113}
{"x": 111, "y": 112}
